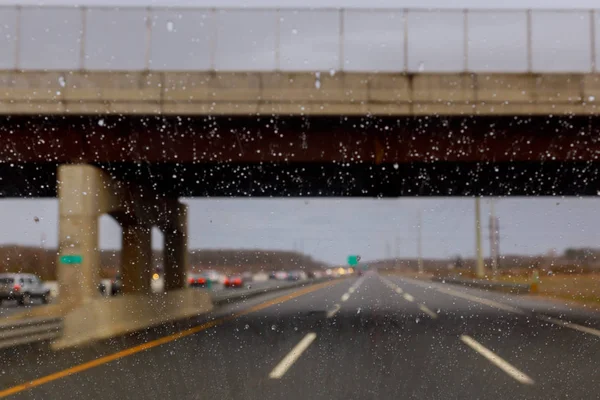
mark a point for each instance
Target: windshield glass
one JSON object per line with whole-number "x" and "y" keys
{"x": 268, "y": 199}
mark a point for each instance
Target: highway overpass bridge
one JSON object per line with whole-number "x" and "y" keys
{"x": 190, "y": 102}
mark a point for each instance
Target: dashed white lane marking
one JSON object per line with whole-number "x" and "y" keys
{"x": 566, "y": 324}
{"x": 292, "y": 356}
{"x": 408, "y": 297}
{"x": 398, "y": 290}
{"x": 427, "y": 311}
{"x": 333, "y": 311}
{"x": 352, "y": 289}
{"x": 497, "y": 360}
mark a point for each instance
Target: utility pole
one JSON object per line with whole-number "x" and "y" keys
{"x": 420, "y": 244}
{"x": 397, "y": 252}
{"x": 493, "y": 240}
{"x": 479, "y": 267}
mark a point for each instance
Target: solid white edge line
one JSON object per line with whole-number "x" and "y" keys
{"x": 345, "y": 296}
{"x": 572, "y": 325}
{"x": 292, "y": 356}
{"x": 408, "y": 297}
{"x": 427, "y": 311}
{"x": 333, "y": 311}
{"x": 481, "y": 300}
{"x": 497, "y": 360}
{"x": 466, "y": 296}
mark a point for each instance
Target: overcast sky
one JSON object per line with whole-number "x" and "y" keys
{"x": 486, "y": 4}
{"x": 330, "y": 229}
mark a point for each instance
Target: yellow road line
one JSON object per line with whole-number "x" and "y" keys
{"x": 155, "y": 343}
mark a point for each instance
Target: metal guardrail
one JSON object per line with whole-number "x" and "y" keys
{"x": 29, "y": 331}
{"x": 517, "y": 288}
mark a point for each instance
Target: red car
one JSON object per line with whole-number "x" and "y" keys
{"x": 197, "y": 281}
{"x": 233, "y": 282}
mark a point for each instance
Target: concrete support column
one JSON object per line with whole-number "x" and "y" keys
{"x": 84, "y": 193}
{"x": 136, "y": 258}
{"x": 176, "y": 251}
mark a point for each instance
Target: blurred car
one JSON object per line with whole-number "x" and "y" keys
{"x": 213, "y": 276}
{"x": 297, "y": 276}
{"x": 23, "y": 288}
{"x": 260, "y": 277}
{"x": 247, "y": 276}
{"x": 281, "y": 275}
{"x": 235, "y": 281}
{"x": 116, "y": 286}
{"x": 198, "y": 280}
{"x": 314, "y": 274}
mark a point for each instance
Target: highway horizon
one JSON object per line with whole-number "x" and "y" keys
{"x": 380, "y": 337}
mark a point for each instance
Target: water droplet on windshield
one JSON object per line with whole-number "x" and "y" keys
{"x": 61, "y": 81}
{"x": 170, "y": 26}
{"x": 101, "y": 122}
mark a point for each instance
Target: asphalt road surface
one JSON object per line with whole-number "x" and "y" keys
{"x": 371, "y": 337}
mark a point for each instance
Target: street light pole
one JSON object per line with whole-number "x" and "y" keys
{"x": 493, "y": 240}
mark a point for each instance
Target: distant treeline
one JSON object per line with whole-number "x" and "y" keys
{"x": 43, "y": 261}
{"x": 572, "y": 260}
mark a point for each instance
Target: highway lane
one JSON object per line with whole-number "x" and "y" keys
{"x": 361, "y": 338}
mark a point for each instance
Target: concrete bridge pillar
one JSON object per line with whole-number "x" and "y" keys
{"x": 84, "y": 193}
{"x": 176, "y": 251}
{"x": 136, "y": 258}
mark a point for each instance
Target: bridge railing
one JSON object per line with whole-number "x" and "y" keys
{"x": 325, "y": 40}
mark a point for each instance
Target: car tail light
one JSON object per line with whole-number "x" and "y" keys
{"x": 16, "y": 288}
{"x": 226, "y": 281}
{"x": 238, "y": 281}
{"x": 191, "y": 280}
{"x": 201, "y": 281}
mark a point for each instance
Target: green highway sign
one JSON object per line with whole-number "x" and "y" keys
{"x": 353, "y": 260}
{"x": 71, "y": 259}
